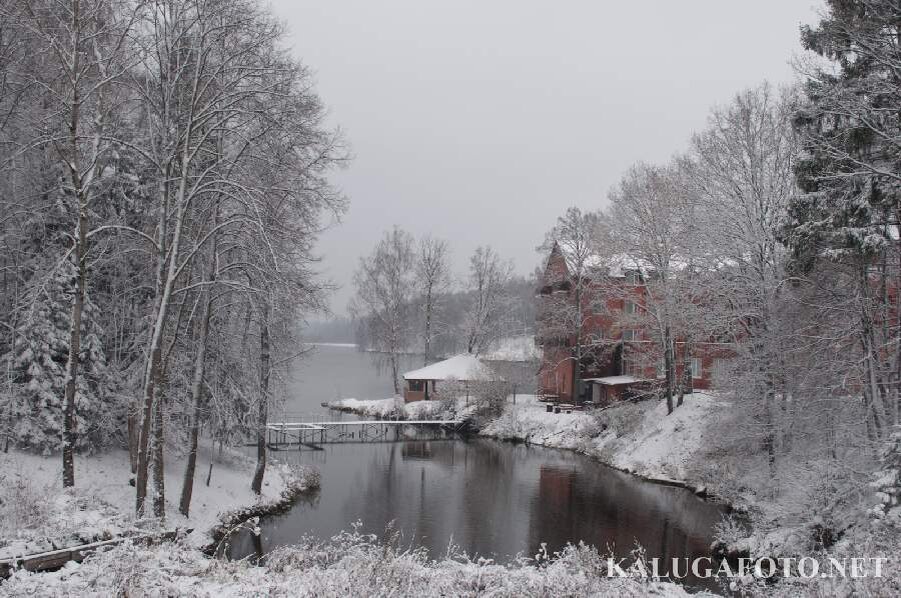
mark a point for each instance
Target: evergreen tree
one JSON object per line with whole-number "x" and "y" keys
{"x": 850, "y": 168}
{"x": 39, "y": 368}
{"x": 849, "y": 174}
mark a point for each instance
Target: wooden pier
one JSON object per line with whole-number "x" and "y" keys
{"x": 282, "y": 435}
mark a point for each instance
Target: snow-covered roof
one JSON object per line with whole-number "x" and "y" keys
{"x": 458, "y": 367}
{"x": 618, "y": 265}
{"x": 614, "y": 380}
{"x": 513, "y": 348}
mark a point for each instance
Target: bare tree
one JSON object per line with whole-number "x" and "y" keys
{"x": 488, "y": 299}
{"x": 434, "y": 280}
{"x": 385, "y": 284}
{"x": 566, "y": 315}
{"x": 651, "y": 224}
{"x": 741, "y": 168}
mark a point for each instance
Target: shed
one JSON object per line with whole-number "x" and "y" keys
{"x": 610, "y": 388}
{"x": 422, "y": 384}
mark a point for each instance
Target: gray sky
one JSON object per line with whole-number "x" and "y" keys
{"x": 481, "y": 122}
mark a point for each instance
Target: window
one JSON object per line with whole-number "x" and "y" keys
{"x": 416, "y": 385}
{"x": 719, "y": 370}
{"x": 630, "y": 307}
{"x": 696, "y": 368}
{"x": 630, "y": 335}
{"x": 661, "y": 369}
{"x": 632, "y": 368}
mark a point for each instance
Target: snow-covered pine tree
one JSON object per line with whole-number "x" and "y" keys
{"x": 39, "y": 368}
{"x": 848, "y": 213}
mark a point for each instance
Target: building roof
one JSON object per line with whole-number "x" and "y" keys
{"x": 615, "y": 380}
{"x": 459, "y": 367}
{"x": 513, "y": 348}
{"x": 616, "y": 265}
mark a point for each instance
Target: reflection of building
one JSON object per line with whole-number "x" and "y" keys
{"x": 555, "y": 487}
{"x": 416, "y": 450}
{"x": 453, "y": 375}
{"x": 618, "y": 350}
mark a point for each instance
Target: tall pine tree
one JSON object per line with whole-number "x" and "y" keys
{"x": 849, "y": 172}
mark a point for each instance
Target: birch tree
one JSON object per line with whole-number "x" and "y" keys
{"x": 485, "y": 316}
{"x": 434, "y": 280}
{"x": 385, "y": 283}
{"x": 650, "y": 225}
{"x": 741, "y": 167}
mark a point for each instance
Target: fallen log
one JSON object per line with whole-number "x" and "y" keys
{"x": 55, "y": 559}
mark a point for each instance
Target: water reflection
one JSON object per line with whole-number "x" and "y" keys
{"x": 491, "y": 499}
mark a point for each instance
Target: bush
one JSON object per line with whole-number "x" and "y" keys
{"x": 621, "y": 419}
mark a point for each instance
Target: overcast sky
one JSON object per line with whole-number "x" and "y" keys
{"x": 482, "y": 121}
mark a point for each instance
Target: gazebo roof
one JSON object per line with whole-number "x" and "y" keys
{"x": 459, "y": 367}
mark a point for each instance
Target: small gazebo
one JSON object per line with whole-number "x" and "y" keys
{"x": 422, "y": 384}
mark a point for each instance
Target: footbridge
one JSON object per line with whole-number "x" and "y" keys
{"x": 286, "y": 434}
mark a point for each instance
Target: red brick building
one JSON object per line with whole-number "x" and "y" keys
{"x": 619, "y": 353}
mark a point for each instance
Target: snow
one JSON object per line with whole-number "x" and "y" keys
{"x": 342, "y": 345}
{"x": 662, "y": 445}
{"x": 391, "y": 408}
{"x": 101, "y": 505}
{"x": 459, "y": 367}
{"x": 529, "y": 421}
{"x": 513, "y": 348}
{"x": 395, "y": 408}
{"x": 640, "y": 438}
{"x": 614, "y": 380}
{"x": 348, "y": 564}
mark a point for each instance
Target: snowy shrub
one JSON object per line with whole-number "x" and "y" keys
{"x": 350, "y": 563}
{"x": 621, "y": 419}
{"x": 729, "y": 530}
{"x": 22, "y": 504}
{"x": 887, "y": 484}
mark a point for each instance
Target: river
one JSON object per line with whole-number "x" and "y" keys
{"x": 489, "y": 498}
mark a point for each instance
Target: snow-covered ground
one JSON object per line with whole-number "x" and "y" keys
{"x": 395, "y": 408}
{"x": 37, "y": 514}
{"x": 640, "y": 438}
{"x": 349, "y": 564}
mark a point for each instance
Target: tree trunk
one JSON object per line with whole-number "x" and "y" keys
{"x": 263, "y": 415}
{"x": 428, "y": 327}
{"x": 686, "y": 373}
{"x": 159, "y": 495}
{"x": 74, "y": 350}
{"x": 668, "y": 368}
{"x": 395, "y": 371}
{"x": 187, "y": 486}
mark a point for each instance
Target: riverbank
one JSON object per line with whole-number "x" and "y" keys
{"x": 639, "y": 438}
{"x": 38, "y": 515}
{"x": 681, "y": 449}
